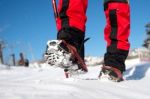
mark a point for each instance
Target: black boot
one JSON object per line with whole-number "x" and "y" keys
{"x": 74, "y": 37}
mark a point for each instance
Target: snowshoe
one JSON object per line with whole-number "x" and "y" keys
{"x": 110, "y": 73}
{"x": 64, "y": 55}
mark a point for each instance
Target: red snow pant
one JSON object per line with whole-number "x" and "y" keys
{"x": 72, "y": 14}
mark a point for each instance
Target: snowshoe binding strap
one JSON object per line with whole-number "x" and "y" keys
{"x": 76, "y": 56}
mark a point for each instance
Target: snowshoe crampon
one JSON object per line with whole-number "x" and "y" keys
{"x": 61, "y": 54}
{"x": 110, "y": 73}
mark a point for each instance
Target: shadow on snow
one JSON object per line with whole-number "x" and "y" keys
{"x": 137, "y": 72}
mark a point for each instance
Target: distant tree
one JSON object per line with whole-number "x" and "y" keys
{"x": 2, "y": 44}
{"x": 147, "y": 41}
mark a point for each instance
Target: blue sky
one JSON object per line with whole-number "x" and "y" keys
{"x": 26, "y": 26}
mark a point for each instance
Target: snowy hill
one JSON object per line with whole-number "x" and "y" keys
{"x": 47, "y": 82}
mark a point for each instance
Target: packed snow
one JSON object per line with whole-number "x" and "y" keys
{"x": 41, "y": 81}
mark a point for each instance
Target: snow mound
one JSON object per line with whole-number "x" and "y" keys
{"x": 92, "y": 61}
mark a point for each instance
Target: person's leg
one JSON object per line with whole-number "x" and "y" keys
{"x": 116, "y": 32}
{"x": 71, "y": 23}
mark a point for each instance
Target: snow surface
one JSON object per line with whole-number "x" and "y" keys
{"x": 46, "y": 82}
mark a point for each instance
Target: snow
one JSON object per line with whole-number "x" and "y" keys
{"x": 46, "y": 82}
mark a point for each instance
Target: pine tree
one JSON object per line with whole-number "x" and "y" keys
{"x": 147, "y": 41}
